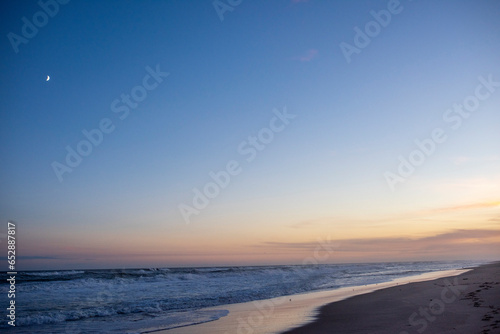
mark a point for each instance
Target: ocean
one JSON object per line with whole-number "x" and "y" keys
{"x": 147, "y": 300}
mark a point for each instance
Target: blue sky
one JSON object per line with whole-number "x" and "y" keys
{"x": 225, "y": 79}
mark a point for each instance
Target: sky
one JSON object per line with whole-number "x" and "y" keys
{"x": 214, "y": 133}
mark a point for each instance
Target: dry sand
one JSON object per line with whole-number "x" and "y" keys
{"x": 439, "y": 302}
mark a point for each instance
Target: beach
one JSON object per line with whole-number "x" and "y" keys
{"x": 452, "y": 301}
{"x": 468, "y": 303}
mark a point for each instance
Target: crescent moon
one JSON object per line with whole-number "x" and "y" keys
{"x": 48, "y": 78}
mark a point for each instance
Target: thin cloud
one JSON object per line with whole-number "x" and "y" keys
{"x": 459, "y": 240}
{"x": 469, "y": 206}
{"x": 308, "y": 56}
{"x": 39, "y": 257}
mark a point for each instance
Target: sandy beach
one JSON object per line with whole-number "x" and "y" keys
{"x": 468, "y": 303}
{"x": 453, "y": 301}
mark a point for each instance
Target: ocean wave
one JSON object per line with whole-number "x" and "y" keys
{"x": 161, "y": 321}
{"x": 53, "y": 273}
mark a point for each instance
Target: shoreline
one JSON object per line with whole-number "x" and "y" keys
{"x": 282, "y": 314}
{"x": 467, "y": 303}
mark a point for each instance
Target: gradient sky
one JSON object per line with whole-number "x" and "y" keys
{"x": 321, "y": 178}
